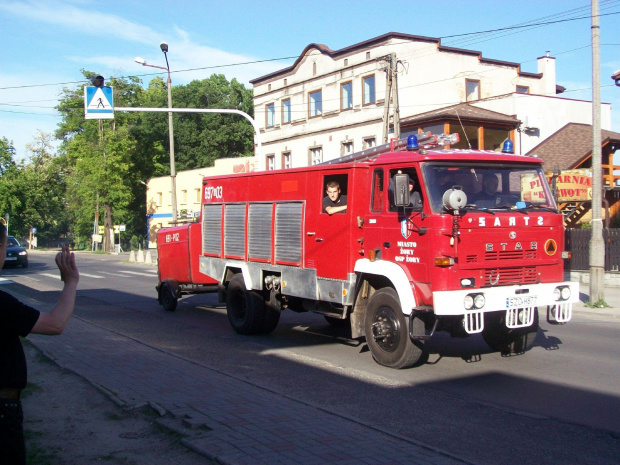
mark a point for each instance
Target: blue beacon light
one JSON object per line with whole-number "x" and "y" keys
{"x": 508, "y": 147}
{"x": 412, "y": 143}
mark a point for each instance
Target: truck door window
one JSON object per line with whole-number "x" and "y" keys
{"x": 334, "y": 194}
{"x": 377, "y": 191}
{"x": 415, "y": 192}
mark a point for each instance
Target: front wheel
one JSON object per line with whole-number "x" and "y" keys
{"x": 387, "y": 332}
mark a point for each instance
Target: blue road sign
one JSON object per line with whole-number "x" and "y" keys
{"x": 98, "y": 102}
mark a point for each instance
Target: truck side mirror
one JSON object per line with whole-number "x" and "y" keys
{"x": 401, "y": 190}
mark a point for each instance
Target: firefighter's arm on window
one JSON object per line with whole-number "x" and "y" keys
{"x": 332, "y": 210}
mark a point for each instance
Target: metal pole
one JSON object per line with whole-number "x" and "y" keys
{"x": 597, "y": 246}
{"x": 173, "y": 173}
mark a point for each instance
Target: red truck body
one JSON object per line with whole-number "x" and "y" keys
{"x": 397, "y": 273}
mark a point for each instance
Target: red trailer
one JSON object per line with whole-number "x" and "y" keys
{"x": 178, "y": 250}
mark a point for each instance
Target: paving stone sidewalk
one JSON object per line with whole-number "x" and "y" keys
{"x": 231, "y": 420}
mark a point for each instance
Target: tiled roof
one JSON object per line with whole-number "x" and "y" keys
{"x": 570, "y": 146}
{"x": 465, "y": 112}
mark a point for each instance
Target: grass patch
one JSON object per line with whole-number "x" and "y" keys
{"x": 35, "y": 454}
{"x": 598, "y": 304}
{"x": 30, "y": 389}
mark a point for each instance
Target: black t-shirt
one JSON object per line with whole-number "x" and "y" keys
{"x": 327, "y": 202}
{"x": 16, "y": 319}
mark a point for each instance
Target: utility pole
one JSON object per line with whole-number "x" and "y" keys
{"x": 597, "y": 245}
{"x": 391, "y": 96}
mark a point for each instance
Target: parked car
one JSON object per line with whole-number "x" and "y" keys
{"x": 15, "y": 253}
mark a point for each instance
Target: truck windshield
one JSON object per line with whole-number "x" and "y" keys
{"x": 489, "y": 187}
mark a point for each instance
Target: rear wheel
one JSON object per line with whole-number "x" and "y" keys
{"x": 503, "y": 339}
{"x": 245, "y": 309}
{"x": 387, "y": 332}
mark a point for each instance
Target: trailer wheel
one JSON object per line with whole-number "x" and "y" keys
{"x": 387, "y": 332}
{"x": 503, "y": 339}
{"x": 245, "y": 309}
{"x": 167, "y": 298}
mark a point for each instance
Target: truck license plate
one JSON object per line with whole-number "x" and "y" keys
{"x": 521, "y": 301}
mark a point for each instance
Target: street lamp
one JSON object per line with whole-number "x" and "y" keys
{"x": 173, "y": 174}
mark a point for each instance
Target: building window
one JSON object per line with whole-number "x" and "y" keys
{"x": 369, "y": 142}
{"x": 346, "y": 95}
{"x": 268, "y": 86}
{"x": 314, "y": 68}
{"x": 286, "y": 111}
{"x": 523, "y": 90}
{"x": 316, "y": 155}
{"x": 183, "y": 197}
{"x": 286, "y": 160}
{"x": 270, "y": 114}
{"x": 368, "y": 89}
{"x": 315, "y": 103}
{"x": 347, "y": 148}
{"x": 472, "y": 89}
{"x": 368, "y": 55}
{"x": 271, "y": 162}
{"x": 197, "y": 198}
{"x": 160, "y": 199}
{"x": 346, "y": 62}
{"x": 285, "y": 82}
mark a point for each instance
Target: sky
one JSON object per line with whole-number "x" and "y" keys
{"x": 46, "y": 44}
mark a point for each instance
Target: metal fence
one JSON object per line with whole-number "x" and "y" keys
{"x": 578, "y": 243}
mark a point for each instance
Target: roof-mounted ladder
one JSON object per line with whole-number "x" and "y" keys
{"x": 425, "y": 140}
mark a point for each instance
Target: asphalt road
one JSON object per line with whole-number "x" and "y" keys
{"x": 558, "y": 403}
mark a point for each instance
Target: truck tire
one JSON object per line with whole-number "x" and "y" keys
{"x": 245, "y": 309}
{"x": 167, "y": 298}
{"x": 270, "y": 321}
{"x": 503, "y": 339}
{"x": 387, "y": 332}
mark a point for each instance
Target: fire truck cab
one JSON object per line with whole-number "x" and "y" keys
{"x": 463, "y": 241}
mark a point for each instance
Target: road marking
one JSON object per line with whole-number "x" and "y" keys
{"x": 137, "y": 273}
{"x": 51, "y": 275}
{"x": 92, "y": 275}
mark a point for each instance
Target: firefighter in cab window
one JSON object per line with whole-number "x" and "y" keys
{"x": 334, "y": 201}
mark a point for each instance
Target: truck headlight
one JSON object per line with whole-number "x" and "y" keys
{"x": 468, "y": 302}
{"x": 479, "y": 301}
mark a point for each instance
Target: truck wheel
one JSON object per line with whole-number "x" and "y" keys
{"x": 270, "y": 321}
{"x": 503, "y": 339}
{"x": 387, "y": 332}
{"x": 167, "y": 298}
{"x": 245, "y": 309}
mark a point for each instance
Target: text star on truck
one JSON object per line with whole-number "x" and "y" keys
{"x": 479, "y": 250}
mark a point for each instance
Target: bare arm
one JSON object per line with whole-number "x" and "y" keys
{"x": 332, "y": 210}
{"x": 55, "y": 321}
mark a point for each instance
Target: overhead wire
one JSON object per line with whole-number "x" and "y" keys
{"x": 470, "y": 37}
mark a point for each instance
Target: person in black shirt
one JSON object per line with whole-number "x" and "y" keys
{"x": 18, "y": 319}
{"x": 335, "y": 201}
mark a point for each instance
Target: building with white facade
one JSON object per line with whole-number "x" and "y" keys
{"x": 331, "y": 103}
{"x": 189, "y": 195}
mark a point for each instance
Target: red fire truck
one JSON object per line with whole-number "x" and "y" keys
{"x": 431, "y": 239}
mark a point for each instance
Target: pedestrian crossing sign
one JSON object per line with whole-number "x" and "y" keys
{"x": 98, "y": 102}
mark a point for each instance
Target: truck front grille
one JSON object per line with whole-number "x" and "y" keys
{"x": 508, "y": 276}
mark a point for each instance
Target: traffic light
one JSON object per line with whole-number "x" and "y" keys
{"x": 98, "y": 81}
